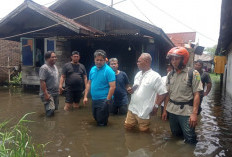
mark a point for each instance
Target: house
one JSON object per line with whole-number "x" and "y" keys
{"x": 82, "y": 25}
{"x": 182, "y": 38}
{"x": 224, "y": 47}
{"x": 186, "y": 39}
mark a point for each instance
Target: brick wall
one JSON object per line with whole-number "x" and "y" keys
{"x": 9, "y": 49}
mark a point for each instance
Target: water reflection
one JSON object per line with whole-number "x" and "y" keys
{"x": 75, "y": 133}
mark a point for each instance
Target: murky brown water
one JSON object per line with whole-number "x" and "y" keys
{"x": 75, "y": 133}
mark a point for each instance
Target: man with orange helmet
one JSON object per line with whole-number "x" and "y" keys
{"x": 183, "y": 97}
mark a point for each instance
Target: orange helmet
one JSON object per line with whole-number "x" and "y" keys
{"x": 179, "y": 52}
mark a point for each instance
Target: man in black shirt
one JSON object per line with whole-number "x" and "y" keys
{"x": 205, "y": 79}
{"x": 120, "y": 94}
{"x": 75, "y": 77}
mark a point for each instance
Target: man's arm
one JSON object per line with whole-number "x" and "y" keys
{"x": 62, "y": 79}
{"x": 158, "y": 101}
{"x": 88, "y": 85}
{"x": 160, "y": 98}
{"x": 208, "y": 88}
{"x": 193, "y": 116}
{"x": 166, "y": 100}
{"x": 44, "y": 89}
{"x": 111, "y": 90}
{"x": 85, "y": 80}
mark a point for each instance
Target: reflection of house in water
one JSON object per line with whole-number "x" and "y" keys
{"x": 119, "y": 34}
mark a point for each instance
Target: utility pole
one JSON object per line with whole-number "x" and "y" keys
{"x": 112, "y": 3}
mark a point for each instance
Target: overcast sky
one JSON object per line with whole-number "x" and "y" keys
{"x": 202, "y": 16}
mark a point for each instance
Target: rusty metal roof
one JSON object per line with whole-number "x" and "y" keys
{"x": 179, "y": 39}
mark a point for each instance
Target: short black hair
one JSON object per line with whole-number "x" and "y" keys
{"x": 100, "y": 52}
{"x": 75, "y": 53}
{"x": 48, "y": 54}
{"x": 199, "y": 61}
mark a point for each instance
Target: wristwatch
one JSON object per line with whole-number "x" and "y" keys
{"x": 156, "y": 106}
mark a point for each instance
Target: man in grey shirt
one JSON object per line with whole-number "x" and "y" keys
{"x": 49, "y": 84}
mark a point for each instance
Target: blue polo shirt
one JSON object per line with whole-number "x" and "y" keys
{"x": 100, "y": 79}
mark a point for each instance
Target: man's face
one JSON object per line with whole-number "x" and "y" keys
{"x": 75, "y": 58}
{"x": 141, "y": 63}
{"x": 175, "y": 61}
{"x": 198, "y": 66}
{"x": 52, "y": 60}
{"x": 99, "y": 61}
{"x": 114, "y": 65}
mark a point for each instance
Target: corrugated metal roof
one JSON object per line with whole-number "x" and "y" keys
{"x": 156, "y": 30}
{"x": 58, "y": 19}
{"x": 179, "y": 39}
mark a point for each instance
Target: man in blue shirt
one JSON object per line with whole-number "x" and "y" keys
{"x": 101, "y": 85}
{"x": 120, "y": 94}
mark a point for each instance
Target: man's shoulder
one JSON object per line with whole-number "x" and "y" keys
{"x": 122, "y": 73}
{"x": 67, "y": 64}
{"x": 81, "y": 65}
{"x": 94, "y": 68}
{"x": 109, "y": 69}
{"x": 153, "y": 73}
{"x": 45, "y": 66}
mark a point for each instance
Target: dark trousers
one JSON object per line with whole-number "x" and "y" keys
{"x": 200, "y": 109}
{"x": 50, "y": 112}
{"x": 118, "y": 109}
{"x": 180, "y": 127}
{"x": 100, "y": 111}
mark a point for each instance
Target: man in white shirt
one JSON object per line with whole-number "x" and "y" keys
{"x": 147, "y": 84}
{"x": 164, "y": 78}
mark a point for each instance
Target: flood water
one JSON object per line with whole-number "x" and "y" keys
{"x": 75, "y": 133}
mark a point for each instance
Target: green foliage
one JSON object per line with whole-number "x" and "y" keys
{"x": 16, "y": 142}
{"x": 211, "y": 50}
{"x": 215, "y": 78}
{"x": 16, "y": 80}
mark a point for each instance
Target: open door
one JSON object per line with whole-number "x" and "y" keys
{"x": 27, "y": 45}
{"x": 49, "y": 44}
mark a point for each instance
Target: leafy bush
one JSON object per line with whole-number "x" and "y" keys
{"x": 17, "y": 79}
{"x": 16, "y": 142}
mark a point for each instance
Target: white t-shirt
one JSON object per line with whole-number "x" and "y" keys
{"x": 163, "y": 79}
{"x": 143, "y": 98}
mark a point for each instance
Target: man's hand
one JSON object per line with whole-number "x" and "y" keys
{"x": 61, "y": 89}
{"x": 164, "y": 115}
{"x": 85, "y": 101}
{"x": 129, "y": 90}
{"x": 109, "y": 102}
{"x": 47, "y": 97}
{"x": 193, "y": 120}
{"x": 154, "y": 111}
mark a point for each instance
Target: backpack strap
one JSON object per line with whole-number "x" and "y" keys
{"x": 170, "y": 74}
{"x": 190, "y": 77}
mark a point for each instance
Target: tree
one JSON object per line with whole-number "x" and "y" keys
{"x": 211, "y": 50}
